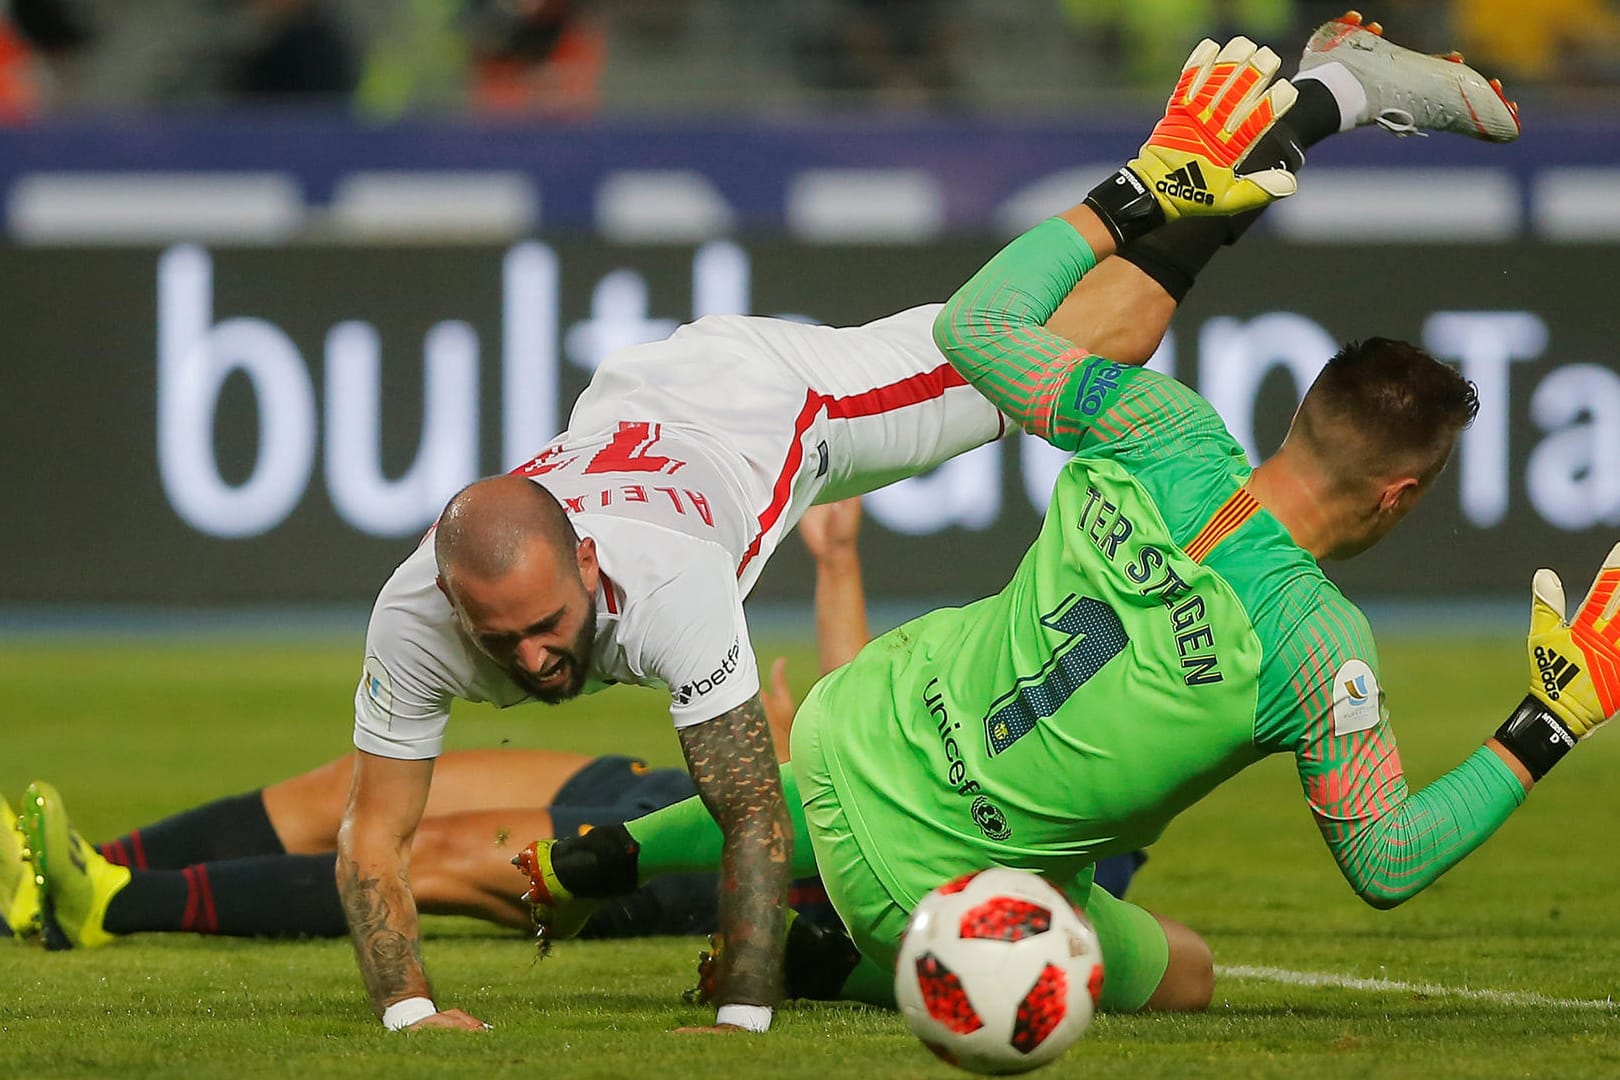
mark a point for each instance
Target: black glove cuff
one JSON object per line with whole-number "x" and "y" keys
{"x": 1126, "y": 206}
{"x": 1535, "y": 736}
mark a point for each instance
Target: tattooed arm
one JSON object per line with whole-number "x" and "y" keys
{"x": 739, "y": 781}
{"x": 373, "y": 878}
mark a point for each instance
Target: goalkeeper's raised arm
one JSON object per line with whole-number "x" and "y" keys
{"x": 995, "y": 330}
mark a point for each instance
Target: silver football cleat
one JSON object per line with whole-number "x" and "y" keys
{"x": 1410, "y": 92}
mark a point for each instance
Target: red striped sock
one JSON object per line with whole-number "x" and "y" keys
{"x": 128, "y": 851}
{"x": 114, "y": 852}
{"x": 266, "y": 895}
{"x": 199, "y": 917}
{"x": 230, "y": 828}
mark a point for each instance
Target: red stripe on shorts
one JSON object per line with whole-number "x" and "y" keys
{"x": 813, "y": 404}
{"x": 912, "y": 390}
{"x": 924, "y": 386}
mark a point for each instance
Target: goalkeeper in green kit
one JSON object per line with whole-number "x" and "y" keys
{"x": 1169, "y": 627}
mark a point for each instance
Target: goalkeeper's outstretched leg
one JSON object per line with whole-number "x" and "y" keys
{"x": 1349, "y": 76}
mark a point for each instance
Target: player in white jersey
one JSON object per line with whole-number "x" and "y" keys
{"x": 684, "y": 465}
{"x": 679, "y": 468}
{"x": 260, "y": 863}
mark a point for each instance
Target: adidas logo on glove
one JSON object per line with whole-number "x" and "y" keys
{"x": 1556, "y": 672}
{"x": 1187, "y": 183}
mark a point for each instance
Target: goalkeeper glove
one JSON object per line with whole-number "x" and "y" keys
{"x": 1574, "y": 669}
{"x": 1220, "y": 108}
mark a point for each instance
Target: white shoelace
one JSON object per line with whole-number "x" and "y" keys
{"x": 1400, "y": 122}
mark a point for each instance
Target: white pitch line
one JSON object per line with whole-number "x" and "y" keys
{"x": 1393, "y": 986}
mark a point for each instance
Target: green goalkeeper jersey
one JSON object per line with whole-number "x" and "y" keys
{"x": 1162, "y": 633}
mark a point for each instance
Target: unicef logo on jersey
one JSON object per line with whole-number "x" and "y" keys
{"x": 989, "y": 818}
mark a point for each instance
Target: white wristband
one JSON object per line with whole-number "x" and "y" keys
{"x": 402, "y": 1014}
{"x": 755, "y": 1018}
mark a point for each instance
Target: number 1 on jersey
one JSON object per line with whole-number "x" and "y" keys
{"x": 1092, "y": 635}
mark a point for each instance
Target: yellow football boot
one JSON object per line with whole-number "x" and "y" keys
{"x": 75, "y": 884}
{"x": 19, "y": 897}
{"x": 558, "y": 914}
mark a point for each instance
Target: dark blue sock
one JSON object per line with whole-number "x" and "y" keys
{"x": 229, "y": 828}
{"x": 1115, "y": 872}
{"x": 261, "y": 896}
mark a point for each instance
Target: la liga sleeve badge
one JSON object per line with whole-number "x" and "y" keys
{"x": 379, "y": 688}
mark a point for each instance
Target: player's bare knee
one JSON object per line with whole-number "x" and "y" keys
{"x": 1189, "y": 978}
{"x": 460, "y": 868}
{"x": 305, "y": 810}
{"x": 439, "y": 853}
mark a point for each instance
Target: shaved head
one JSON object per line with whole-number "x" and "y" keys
{"x": 521, "y": 583}
{"x": 490, "y": 526}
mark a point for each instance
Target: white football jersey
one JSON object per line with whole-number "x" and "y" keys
{"x": 669, "y": 533}
{"x": 687, "y": 461}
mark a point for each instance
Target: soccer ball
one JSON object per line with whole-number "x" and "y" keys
{"x": 998, "y": 973}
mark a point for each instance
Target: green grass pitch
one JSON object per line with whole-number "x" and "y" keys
{"x": 1504, "y": 968}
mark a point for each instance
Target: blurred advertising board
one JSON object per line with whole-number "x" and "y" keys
{"x": 257, "y": 177}
{"x": 185, "y": 425}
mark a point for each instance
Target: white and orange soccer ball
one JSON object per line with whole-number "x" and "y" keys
{"x": 998, "y": 973}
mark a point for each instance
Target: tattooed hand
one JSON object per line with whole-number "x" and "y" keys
{"x": 739, "y": 781}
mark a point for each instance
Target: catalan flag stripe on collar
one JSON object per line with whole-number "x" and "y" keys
{"x": 1233, "y": 513}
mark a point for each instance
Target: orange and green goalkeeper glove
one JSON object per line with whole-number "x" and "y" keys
{"x": 1574, "y": 669}
{"x": 1188, "y": 166}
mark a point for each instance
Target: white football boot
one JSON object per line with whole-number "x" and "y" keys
{"x": 1407, "y": 92}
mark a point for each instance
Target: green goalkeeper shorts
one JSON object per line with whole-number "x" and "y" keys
{"x": 1135, "y": 950}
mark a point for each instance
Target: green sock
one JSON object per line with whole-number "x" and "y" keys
{"x": 869, "y": 983}
{"x": 683, "y": 838}
{"x": 679, "y": 839}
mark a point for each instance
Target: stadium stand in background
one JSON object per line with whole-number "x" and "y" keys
{"x": 577, "y": 57}
{"x": 283, "y": 213}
